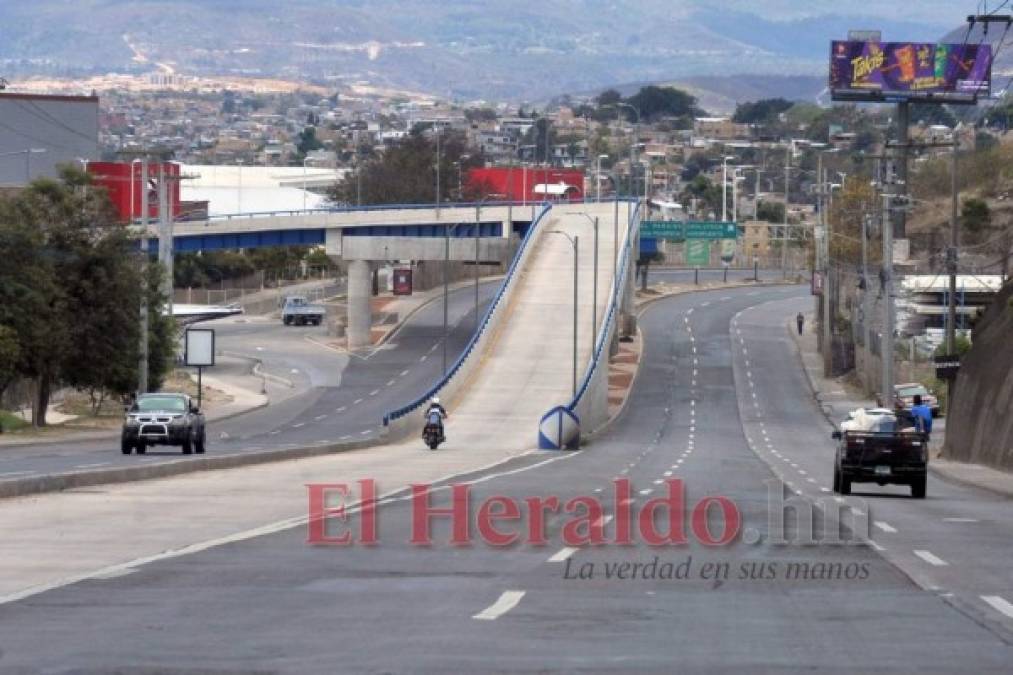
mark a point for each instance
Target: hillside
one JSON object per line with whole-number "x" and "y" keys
{"x": 523, "y": 50}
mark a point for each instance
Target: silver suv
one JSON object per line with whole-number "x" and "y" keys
{"x": 164, "y": 419}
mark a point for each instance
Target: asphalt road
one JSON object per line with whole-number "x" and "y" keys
{"x": 273, "y": 603}
{"x": 334, "y": 397}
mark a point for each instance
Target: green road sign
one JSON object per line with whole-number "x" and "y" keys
{"x": 711, "y": 230}
{"x": 698, "y": 252}
{"x": 676, "y": 230}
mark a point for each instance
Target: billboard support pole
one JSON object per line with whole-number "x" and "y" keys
{"x": 142, "y": 364}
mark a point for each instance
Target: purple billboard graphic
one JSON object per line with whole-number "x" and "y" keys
{"x": 876, "y": 71}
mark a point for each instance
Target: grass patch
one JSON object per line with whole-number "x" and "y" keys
{"x": 10, "y": 422}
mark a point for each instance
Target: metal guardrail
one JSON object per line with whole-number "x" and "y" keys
{"x": 508, "y": 279}
{"x": 613, "y": 310}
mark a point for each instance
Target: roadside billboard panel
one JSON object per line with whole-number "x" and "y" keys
{"x": 918, "y": 71}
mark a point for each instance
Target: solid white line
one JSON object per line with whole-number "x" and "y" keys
{"x": 562, "y": 554}
{"x": 91, "y": 466}
{"x": 506, "y": 602}
{"x": 874, "y": 545}
{"x": 886, "y": 527}
{"x": 931, "y": 559}
{"x": 960, "y": 520}
{"x": 999, "y": 604}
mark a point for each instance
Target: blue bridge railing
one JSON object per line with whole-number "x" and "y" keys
{"x": 483, "y": 326}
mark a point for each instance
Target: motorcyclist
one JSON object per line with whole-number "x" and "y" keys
{"x": 434, "y": 406}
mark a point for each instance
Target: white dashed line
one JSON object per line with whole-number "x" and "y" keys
{"x": 320, "y": 417}
{"x": 423, "y": 358}
{"x": 374, "y": 392}
{"x": 874, "y": 545}
{"x": 300, "y": 424}
{"x": 506, "y": 602}
{"x": 403, "y": 373}
{"x": 646, "y": 492}
{"x": 357, "y": 401}
{"x": 345, "y": 437}
{"x": 366, "y": 432}
{"x": 999, "y": 604}
{"x": 341, "y": 409}
{"x": 961, "y": 520}
{"x": 391, "y": 383}
{"x": 563, "y": 554}
{"x": 91, "y": 466}
{"x": 275, "y": 432}
{"x": 931, "y": 559}
{"x": 885, "y": 527}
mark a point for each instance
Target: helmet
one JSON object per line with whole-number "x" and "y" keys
{"x": 435, "y": 400}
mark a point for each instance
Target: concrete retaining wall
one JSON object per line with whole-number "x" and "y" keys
{"x": 980, "y": 426}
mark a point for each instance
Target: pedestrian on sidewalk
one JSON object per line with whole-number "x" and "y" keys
{"x": 800, "y": 319}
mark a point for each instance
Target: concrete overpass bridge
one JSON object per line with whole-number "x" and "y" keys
{"x": 363, "y": 236}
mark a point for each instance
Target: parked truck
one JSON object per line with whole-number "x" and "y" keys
{"x": 296, "y": 310}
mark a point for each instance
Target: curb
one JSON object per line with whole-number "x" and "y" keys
{"x": 808, "y": 378}
{"x": 626, "y": 400}
{"x": 68, "y": 481}
{"x": 943, "y": 473}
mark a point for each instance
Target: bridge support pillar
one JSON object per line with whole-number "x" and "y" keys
{"x": 359, "y": 318}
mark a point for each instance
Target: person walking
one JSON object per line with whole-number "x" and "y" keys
{"x": 800, "y": 320}
{"x": 923, "y": 416}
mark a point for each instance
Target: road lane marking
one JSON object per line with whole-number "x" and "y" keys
{"x": 646, "y": 492}
{"x": 366, "y": 432}
{"x": 391, "y": 383}
{"x": 403, "y": 373}
{"x": 667, "y": 474}
{"x": 603, "y": 521}
{"x": 506, "y": 602}
{"x": 874, "y": 545}
{"x": 345, "y": 437}
{"x": 357, "y": 401}
{"x": 658, "y": 482}
{"x": 275, "y": 432}
{"x": 999, "y": 604}
{"x": 374, "y": 392}
{"x": 300, "y": 424}
{"x": 16, "y": 473}
{"x": 91, "y": 466}
{"x": 931, "y": 559}
{"x": 341, "y": 409}
{"x": 886, "y": 527}
{"x": 563, "y": 554}
{"x": 320, "y": 417}
{"x": 961, "y": 520}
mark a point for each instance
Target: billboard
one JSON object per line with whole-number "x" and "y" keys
{"x": 916, "y": 71}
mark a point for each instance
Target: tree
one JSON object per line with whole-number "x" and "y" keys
{"x": 69, "y": 288}
{"x": 771, "y": 212}
{"x": 653, "y": 102}
{"x": 975, "y": 215}
{"x": 406, "y": 172}
{"x": 308, "y": 141}
{"x": 608, "y": 98}
{"x": 762, "y": 111}
{"x": 10, "y": 354}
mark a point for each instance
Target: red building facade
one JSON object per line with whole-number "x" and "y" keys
{"x": 526, "y": 184}
{"x": 123, "y": 182}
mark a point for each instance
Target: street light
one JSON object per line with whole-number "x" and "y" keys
{"x": 594, "y": 283}
{"x": 575, "y": 242}
{"x": 724, "y": 187}
{"x": 597, "y": 179}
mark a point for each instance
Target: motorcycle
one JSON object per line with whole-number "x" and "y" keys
{"x": 433, "y": 431}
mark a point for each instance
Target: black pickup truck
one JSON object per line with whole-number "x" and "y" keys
{"x": 882, "y": 455}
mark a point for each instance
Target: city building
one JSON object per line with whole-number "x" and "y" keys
{"x": 38, "y": 134}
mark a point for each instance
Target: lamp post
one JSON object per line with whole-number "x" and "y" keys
{"x": 304, "y": 160}
{"x": 724, "y": 188}
{"x": 594, "y": 282}
{"x": 575, "y": 243}
{"x": 597, "y": 179}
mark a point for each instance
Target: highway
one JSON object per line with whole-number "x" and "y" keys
{"x": 334, "y": 396}
{"x": 720, "y": 403}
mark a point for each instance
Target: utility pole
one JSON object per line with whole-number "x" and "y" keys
{"x": 142, "y": 364}
{"x": 951, "y": 257}
{"x": 784, "y": 229}
{"x": 886, "y": 348}
{"x": 903, "y": 143}
{"x": 165, "y": 253}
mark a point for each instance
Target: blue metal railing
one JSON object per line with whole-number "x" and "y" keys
{"x": 510, "y": 275}
{"x": 628, "y": 255}
{"x": 368, "y": 209}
